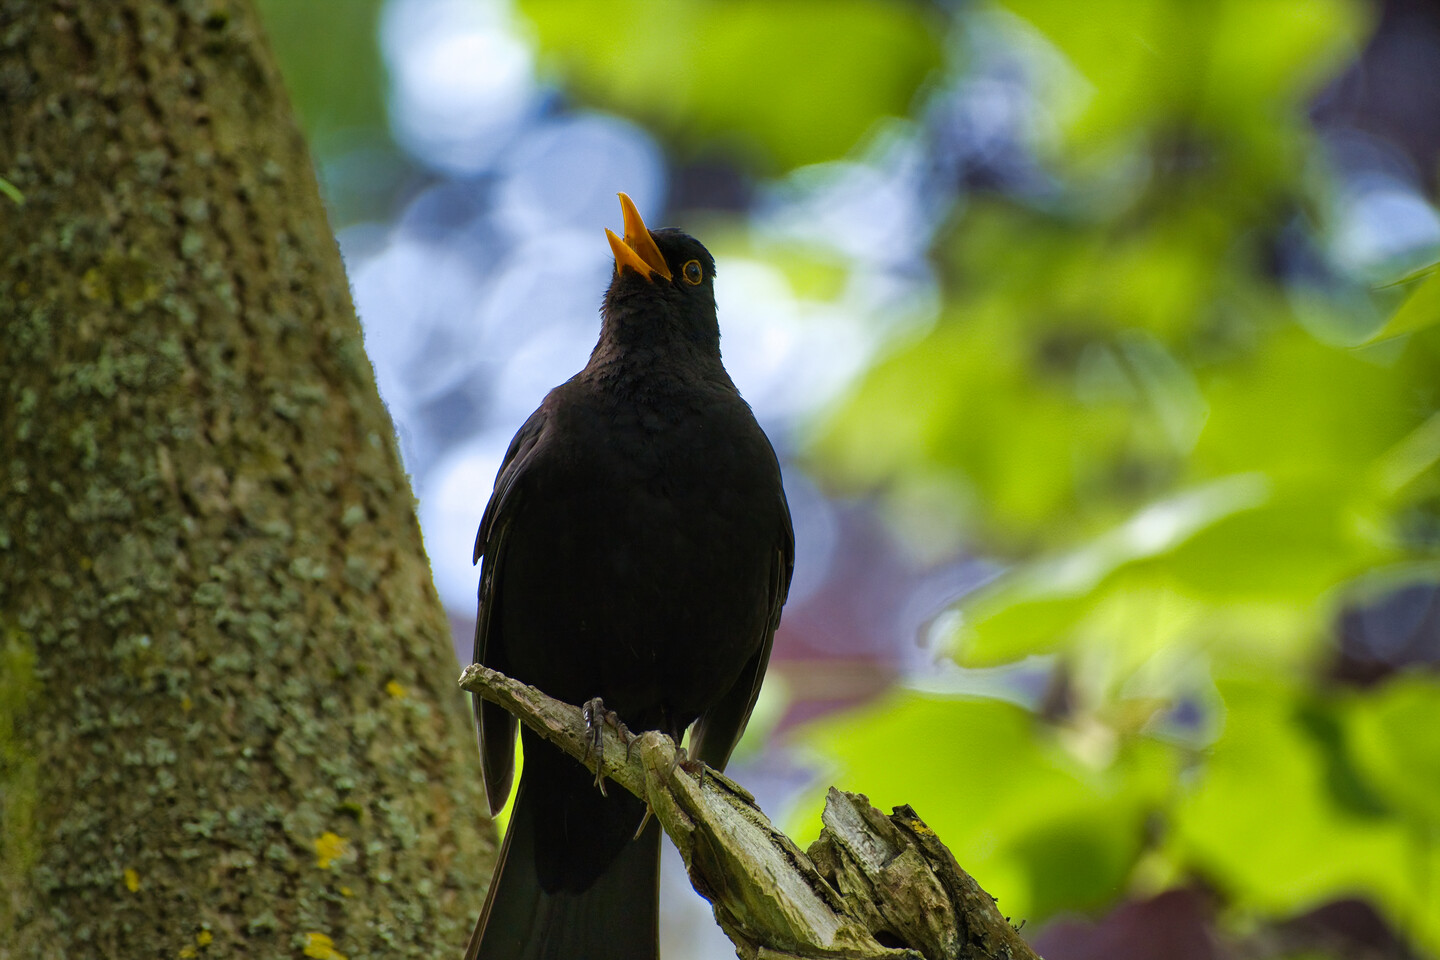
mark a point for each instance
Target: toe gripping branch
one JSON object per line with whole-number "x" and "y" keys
{"x": 597, "y": 717}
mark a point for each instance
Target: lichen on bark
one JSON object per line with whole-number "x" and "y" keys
{"x": 227, "y": 716}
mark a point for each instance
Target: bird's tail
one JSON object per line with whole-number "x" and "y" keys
{"x": 615, "y": 917}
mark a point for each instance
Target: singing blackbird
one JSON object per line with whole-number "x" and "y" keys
{"x": 638, "y": 548}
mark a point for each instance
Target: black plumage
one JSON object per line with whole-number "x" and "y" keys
{"x": 637, "y": 547}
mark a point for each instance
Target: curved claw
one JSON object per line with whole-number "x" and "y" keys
{"x": 595, "y": 744}
{"x": 597, "y": 715}
{"x": 682, "y": 761}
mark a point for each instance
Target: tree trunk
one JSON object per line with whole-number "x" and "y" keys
{"x": 228, "y": 715}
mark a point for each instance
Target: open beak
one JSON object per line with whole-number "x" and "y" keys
{"x": 638, "y": 250}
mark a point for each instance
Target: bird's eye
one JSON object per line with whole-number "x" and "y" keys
{"x": 693, "y": 272}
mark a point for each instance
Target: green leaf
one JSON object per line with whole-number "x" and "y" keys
{"x": 1273, "y": 817}
{"x": 1044, "y": 823}
{"x": 1395, "y": 734}
{"x": 1420, "y": 310}
{"x": 1305, "y": 411}
{"x": 789, "y": 82}
{"x": 1033, "y": 608}
{"x": 1293, "y": 549}
{"x": 1414, "y": 455}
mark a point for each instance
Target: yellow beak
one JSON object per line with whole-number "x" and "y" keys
{"x": 638, "y": 250}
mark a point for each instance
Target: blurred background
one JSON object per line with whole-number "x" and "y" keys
{"x": 1099, "y": 346}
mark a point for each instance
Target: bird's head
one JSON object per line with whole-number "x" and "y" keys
{"x": 666, "y": 278}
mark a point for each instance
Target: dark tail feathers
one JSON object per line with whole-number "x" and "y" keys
{"x": 615, "y": 918}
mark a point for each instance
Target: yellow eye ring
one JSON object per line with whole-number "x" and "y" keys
{"x": 693, "y": 272}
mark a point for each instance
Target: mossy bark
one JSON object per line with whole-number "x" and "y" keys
{"x": 228, "y": 715}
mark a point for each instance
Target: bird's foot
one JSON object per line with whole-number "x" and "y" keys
{"x": 682, "y": 761}
{"x": 697, "y": 768}
{"x": 597, "y": 715}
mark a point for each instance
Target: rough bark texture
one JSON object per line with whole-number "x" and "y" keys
{"x": 228, "y": 722}
{"x": 905, "y": 885}
{"x": 871, "y": 887}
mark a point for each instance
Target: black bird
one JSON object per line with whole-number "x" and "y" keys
{"x": 638, "y": 548}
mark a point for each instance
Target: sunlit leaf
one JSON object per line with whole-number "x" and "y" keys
{"x": 1031, "y": 608}
{"x": 1295, "y": 547}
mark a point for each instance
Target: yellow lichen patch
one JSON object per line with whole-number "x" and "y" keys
{"x": 186, "y": 703}
{"x": 321, "y": 947}
{"x": 204, "y": 937}
{"x": 396, "y": 690}
{"x": 94, "y": 285}
{"x": 346, "y": 892}
{"x": 132, "y": 880}
{"x": 188, "y": 953}
{"x": 329, "y": 847}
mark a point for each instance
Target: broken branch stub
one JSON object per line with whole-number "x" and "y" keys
{"x": 906, "y": 886}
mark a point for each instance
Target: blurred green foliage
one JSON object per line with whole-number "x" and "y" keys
{"x": 331, "y": 62}
{"x": 778, "y": 82}
{"x": 1192, "y": 471}
{"x": 330, "y": 59}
